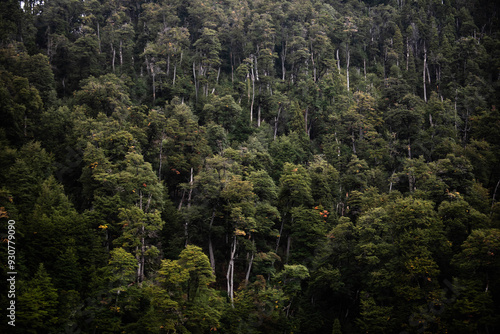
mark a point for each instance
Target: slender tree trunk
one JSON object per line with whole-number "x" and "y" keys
{"x": 230, "y": 271}
{"x": 258, "y": 117}
{"x": 98, "y": 38}
{"x": 353, "y": 142}
{"x": 364, "y": 67}
{"x": 161, "y": 153}
{"x": 493, "y": 199}
{"x": 168, "y": 64}
{"x": 276, "y": 122}
{"x": 143, "y": 251}
{"x": 232, "y": 66}
{"x": 121, "y": 54}
{"x": 407, "y": 54}
{"x": 313, "y": 65}
{"x": 195, "y": 82}
{"x": 338, "y": 61}
{"x": 347, "y": 67}
{"x": 423, "y": 73}
{"x": 253, "y": 96}
{"x": 283, "y": 58}
{"x": 288, "y": 245}
{"x": 279, "y": 236}
{"x": 338, "y": 144}
{"x": 249, "y": 269}
{"x": 113, "y": 58}
{"x": 186, "y": 222}
{"x": 154, "y": 83}
{"x": 210, "y": 245}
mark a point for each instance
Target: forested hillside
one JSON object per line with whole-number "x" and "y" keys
{"x": 234, "y": 166}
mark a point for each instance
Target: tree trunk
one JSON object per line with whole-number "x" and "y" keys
{"x": 230, "y": 271}
{"x": 253, "y": 96}
{"x": 283, "y": 58}
{"x": 258, "y": 117}
{"x": 288, "y": 245}
{"x": 168, "y": 64}
{"x": 276, "y": 122}
{"x": 98, "y": 38}
{"x": 249, "y": 269}
{"x": 347, "y": 67}
{"x": 423, "y": 73}
{"x": 113, "y": 58}
{"x": 195, "y": 82}
{"x": 313, "y": 65}
{"x": 121, "y": 54}
{"x": 338, "y": 61}
{"x": 210, "y": 246}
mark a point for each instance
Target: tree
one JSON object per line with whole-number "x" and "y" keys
{"x": 38, "y": 304}
{"x": 106, "y": 94}
{"x": 20, "y": 107}
{"x": 190, "y": 303}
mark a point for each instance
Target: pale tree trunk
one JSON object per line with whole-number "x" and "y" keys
{"x": 195, "y": 82}
{"x": 161, "y": 153}
{"x": 258, "y": 117}
{"x": 99, "y": 38}
{"x": 253, "y": 96}
{"x": 338, "y": 61}
{"x": 313, "y": 64}
{"x": 230, "y": 271}
{"x": 121, "y": 54}
{"x": 210, "y": 246}
{"x": 276, "y": 122}
{"x": 113, "y": 58}
{"x": 347, "y": 68}
{"x": 407, "y": 53}
{"x": 168, "y": 64}
{"x": 364, "y": 67}
{"x": 249, "y": 269}
{"x": 283, "y": 58}
{"x": 423, "y": 73}
{"x": 153, "y": 74}
{"x": 186, "y": 223}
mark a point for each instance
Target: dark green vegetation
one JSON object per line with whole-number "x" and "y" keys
{"x": 263, "y": 166}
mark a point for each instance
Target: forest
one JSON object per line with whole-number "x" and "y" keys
{"x": 235, "y": 166}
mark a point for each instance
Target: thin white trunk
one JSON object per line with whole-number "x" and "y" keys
{"x": 195, "y": 83}
{"x": 347, "y": 68}
{"x": 210, "y": 246}
{"x": 253, "y": 96}
{"x": 230, "y": 271}
{"x": 168, "y": 64}
{"x": 121, "y": 53}
{"x": 99, "y": 38}
{"x": 249, "y": 269}
{"x": 423, "y": 73}
{"x": 313, "y": 65}
{"x": 283, "y": 58}
{"x": 338, "y": 61}
{"x": 113, "y": 58}
{"x": 258, "y": 117}
{"x": 276, "y": 122}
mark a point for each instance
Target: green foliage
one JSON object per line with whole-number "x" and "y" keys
{"x": 337, "y": 162}
{"x": 38, "y": 304}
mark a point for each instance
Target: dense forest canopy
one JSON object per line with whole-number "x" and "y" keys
{"x": 268, "y": 166}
